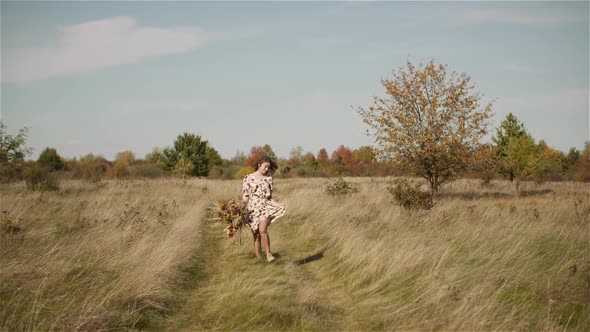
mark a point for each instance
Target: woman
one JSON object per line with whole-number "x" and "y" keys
{"x": 262, "y": 209}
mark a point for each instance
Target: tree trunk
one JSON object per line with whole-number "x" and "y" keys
{"x": 517, "y": 185}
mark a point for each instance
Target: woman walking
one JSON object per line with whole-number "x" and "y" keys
{"x": 262, "y": 209}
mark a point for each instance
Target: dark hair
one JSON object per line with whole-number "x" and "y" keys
{"x": 267, "y": 159}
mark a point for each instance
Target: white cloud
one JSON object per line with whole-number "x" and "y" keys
{"x": 97, "y": 44}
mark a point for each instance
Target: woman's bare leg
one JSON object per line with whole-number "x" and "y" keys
{"x": 257, "y": 250}
{"x": 262, "y": 227}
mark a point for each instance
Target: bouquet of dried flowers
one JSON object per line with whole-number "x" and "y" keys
{"x": 232, "y": 214}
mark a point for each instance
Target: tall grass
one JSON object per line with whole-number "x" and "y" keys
{"x": 94, "y": 258}
{"x": 117, "y": 256}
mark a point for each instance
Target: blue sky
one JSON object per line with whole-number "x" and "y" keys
{"x": 105, "y": 77}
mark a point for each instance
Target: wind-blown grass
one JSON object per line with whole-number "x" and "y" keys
{"x": 480, "y": 259}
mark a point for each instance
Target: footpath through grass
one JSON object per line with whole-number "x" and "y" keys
{"x": 233, "y": 290}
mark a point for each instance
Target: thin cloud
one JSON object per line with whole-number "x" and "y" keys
{"x": 97, "y": 44}
{"x": 162, "y": 106}
{"x": 518, "y": 68}
{"x": 518, "y": 16}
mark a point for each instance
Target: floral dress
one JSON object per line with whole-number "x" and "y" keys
{"x": 260, "y": 206}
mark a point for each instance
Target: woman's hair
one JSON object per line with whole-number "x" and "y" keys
{"x": 267, "y": 159}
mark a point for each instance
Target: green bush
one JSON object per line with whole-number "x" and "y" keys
{"x": 51, "y": 159}
{"x": 408, "y": 195}
{"x": 340, "y": 187}
{"x": 183, "y": 168}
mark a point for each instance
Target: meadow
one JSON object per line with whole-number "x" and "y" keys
{"x": 143, "y": 255}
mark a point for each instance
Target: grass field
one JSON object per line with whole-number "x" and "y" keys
{"x": 143, "y": 255}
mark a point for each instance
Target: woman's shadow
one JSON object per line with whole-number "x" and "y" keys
{"x": 311, "y": 258}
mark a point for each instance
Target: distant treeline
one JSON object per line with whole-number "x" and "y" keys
{"x": 191, "y": 156}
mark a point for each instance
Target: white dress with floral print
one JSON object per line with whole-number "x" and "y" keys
{"x": 260, "y": 206}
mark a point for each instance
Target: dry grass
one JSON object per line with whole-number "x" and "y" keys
{"x": 139, "y": 255}
{"x": 96, "y": 257}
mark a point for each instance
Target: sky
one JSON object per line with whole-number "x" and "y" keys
{"x": 106, "y": 77}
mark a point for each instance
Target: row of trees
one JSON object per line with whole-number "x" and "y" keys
{"x": 188, "y": 156}
{"x": 430, "y": 123}
{"x": 513, "y": 154}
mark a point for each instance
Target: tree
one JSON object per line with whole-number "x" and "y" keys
{"x": 572, "y": 156}
{"x": 582, "y": 168}
{"x": 430, "y": 122}
{"x": 92, "y": 168}
{"x": 256, "y": 152}
{"x": 484, "y": 164}
{"x": 122, "y": 162}
{"x": 50, "y": 159}
{"x": 510, "y": 128}
{"x": 552, "y": 163}
{"x": 518, "y": 157}
{"x": 310, "y": 161}
{"x": 12, "y": 148}
{"x": 323, "y": 158}
{"x": 366, "y": 154}
{"x": 295, "y": 156}
{"x": 269, "y": 152}
{"x": 191, "y": 151}
{"x": 239, "y": 158}
{"x": 213, "y": 157}
{"x": 521, "y": 159}
{"x": 344, "y": 160}
{"x": 156, "y": 157}
{"x": 126, "y": 157}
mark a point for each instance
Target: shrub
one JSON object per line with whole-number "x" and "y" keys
{"x": 10, "y": 171}
{"x": 92, "y": 168}
{"x": 51, "y": 183}
{"x": 183, "y": 168}
{"x": 340, "y": 187}
{"x": 216, "y": 172}
{"x": 284, "y": 171}
{"x": 50, "y": 159}
{"x": 230, "y": 172}
{"x": 33, "y": 176}
{"x": 121, "y": 170}
{"x": 146, "y": 171}
{"x": 39, "y": 178}
{"x": 408, "y": 195}
{"x": 243, "y": 172}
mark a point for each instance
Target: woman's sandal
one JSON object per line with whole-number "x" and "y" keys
{"x": 270, "y": 257}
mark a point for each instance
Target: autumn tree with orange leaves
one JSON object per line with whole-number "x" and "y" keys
{"x": 431, "y": 121}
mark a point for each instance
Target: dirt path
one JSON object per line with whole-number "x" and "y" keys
{"x": 230, "y": 289}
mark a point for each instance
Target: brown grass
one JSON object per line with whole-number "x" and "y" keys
{"x": 139, "y": 254}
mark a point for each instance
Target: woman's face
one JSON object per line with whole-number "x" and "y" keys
{"x": 264, "y": 168}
